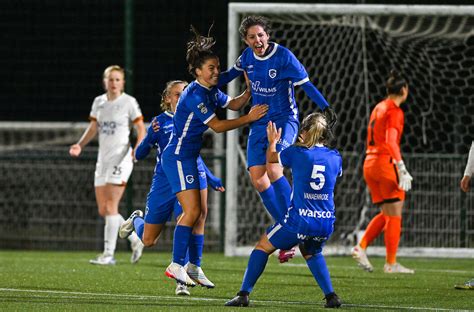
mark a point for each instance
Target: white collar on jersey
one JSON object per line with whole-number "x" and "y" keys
{"x": 203, "y": 86}
{"x": 169, "y": 113}
{"x": 266, "y": 57}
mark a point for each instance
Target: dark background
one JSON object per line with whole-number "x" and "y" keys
{"x": 53, "y": 52}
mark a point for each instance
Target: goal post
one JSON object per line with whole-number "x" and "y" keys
{"x": 348, "y": 51}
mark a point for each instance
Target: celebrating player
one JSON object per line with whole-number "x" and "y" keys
{"x": 161, "y": 201}
{"x": 386, "y": 175}
{"x": 273, "y": 71}
{"x": 309, "y": 218}
{"x": 195, "y": 113}
{"x": 111, "y": 116}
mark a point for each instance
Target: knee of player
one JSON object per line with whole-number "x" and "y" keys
{"x": 203, "y": 215}
{"x": 274, "y": 172}
{"x": 149, "y": 242}
{"x": 261, "y": 184}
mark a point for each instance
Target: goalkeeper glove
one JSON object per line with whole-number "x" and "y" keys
{"x": 331, "y": 117}
{"x": 404, "y": 177}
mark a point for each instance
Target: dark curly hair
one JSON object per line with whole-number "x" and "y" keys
{"x": 253, "y": 20}
{"x": 199, "y": 50}
{"x": 395, "y": 83}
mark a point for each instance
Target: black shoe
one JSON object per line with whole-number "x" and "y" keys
{"x": 332, "y": 301}
{"x": 241, "y": 300}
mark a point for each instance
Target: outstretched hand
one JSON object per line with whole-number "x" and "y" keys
{"x": 273, "y": 134}
{"x": 258, "y": 111}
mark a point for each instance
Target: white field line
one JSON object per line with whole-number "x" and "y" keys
{"x": 72, "y": 294}
{"x": 355, "y": 267}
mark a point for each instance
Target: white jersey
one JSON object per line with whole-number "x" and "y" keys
{"x": 114, "y": 120}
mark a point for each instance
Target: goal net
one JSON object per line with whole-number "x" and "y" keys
{"x": 348, "y": 52}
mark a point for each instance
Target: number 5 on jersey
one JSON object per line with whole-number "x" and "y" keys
{"x": 318, "y": 174}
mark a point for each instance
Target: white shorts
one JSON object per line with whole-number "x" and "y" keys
{"x": 112, "y": 173}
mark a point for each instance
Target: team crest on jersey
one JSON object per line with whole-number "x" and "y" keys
{"x": 272, "y": 73}
{"x": 189, "y": 179}
{"x": 202, "y": 108}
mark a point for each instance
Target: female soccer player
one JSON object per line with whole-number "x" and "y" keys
{"x": 386, "y": 175}
{"x": 111, "y": 116}
{"x": 161, "y": 201}
{"x": 273, "y": 71}
{"x": 465, "y": 185}
{"x": 309, "y": 218}
{"x": 195, "y": 113}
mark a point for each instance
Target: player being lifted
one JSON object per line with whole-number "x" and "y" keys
{"x": 195, "y": 113}
{"x": 273, "y": 71}
{"x": 309, "y": 218}
{"x": 111, "y": 116}
{"x": 161, "y": 201}
{"x": 386, "y": 175}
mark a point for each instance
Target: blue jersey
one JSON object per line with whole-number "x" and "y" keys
{"x": 196, "y": 107}
{"x": 158, "y": 139}
{"x": 273, "y": 78}
{"x": 314, "y": 171}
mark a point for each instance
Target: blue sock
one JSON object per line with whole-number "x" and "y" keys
{"x": 320, "y": 271}
{"x": 139, "y": 225}
{"x": 186, "y": 259}
{"x": 283, "y": 194}
{"x": 182, "y": 235}
{"x": 269, "y": 200}
{"x": 196, "y": 244}
{"x": 257, "y": 262}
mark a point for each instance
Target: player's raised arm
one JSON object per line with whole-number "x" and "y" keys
{"x": 256, "y": 112}
{"x": 238, "y": 102}
{"x": 145, "y": 146}
{"x": 273, "y": 135}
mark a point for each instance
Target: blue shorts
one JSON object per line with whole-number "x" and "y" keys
{"x": 257, "y": 142}
{"x": 283, "y": 239}
{"x": 182, "y": 174}
{"x": 161, "y": 202}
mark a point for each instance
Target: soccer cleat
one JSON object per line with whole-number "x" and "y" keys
{"x": 332, "y": 301}
{"x": 127, "y": 226}
{"x": 241, "y": 300}
{"x": 466, "y": 286}
{"x": 360, "y": 256}
{"x": 285, "y": 255}
{"x": 137, "y": 251}
{"x": 397, "y": 268}
{"x": 178, "y": 272}
{"x": 182, "y": 290}
{"x": 197, "y": 275}
{"x": 103, "y": 259}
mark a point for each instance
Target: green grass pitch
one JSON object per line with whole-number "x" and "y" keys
{"x": 65, "y": 281}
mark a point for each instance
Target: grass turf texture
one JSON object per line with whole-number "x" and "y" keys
{"x": 59, "y": 281}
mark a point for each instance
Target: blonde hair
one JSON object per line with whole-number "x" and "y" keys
{"x": 165, "y": 106}
{"x": 110, "y": 69}
{"x": 316, "y": 127}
